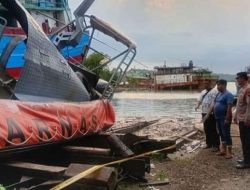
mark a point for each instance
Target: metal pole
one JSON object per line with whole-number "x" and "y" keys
{"x": 51, "y": 17}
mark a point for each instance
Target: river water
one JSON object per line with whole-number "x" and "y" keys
{"x": 151, "y": 105}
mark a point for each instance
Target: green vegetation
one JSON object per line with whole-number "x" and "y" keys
{"x": 162, "y": 175}
{"x": 93, "y": 61}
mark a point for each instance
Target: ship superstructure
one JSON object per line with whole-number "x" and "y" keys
{"x": 181, "y": 77}
{"x": 49, "y": 14}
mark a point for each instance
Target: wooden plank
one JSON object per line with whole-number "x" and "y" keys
{"x": 181, "y": 140}
{"x": 136, "y": 168}
{"x": 156, "y": 183}
{"x": 119, "y": 147}
{"x": 90, "y": 159}
{"x": 35, "y": 170}
{"x": 133, "y": 127}
{"x": 88, "y": 150}
{"x": 105, "y": 177}
{"x": 25, "y": 182}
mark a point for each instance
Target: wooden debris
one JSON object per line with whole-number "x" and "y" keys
{"x": 156, "y": 183}
{"x": 119, "y": 147}
{"x": 35, "y": 170}
{"x": 105, "y": 177}
{"x": 183, "y": 138}
{"x": 134, "y": 127}
{"x": 88, "y": 150}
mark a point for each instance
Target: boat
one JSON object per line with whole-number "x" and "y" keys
{"x": 54, "y": 101}
{"x": 182, "y": 77}
{"x": 50, "y": 16}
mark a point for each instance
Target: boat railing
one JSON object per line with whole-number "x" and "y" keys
{"x": 127, "y": 56}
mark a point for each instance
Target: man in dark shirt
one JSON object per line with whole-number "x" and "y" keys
{"x": 223, "y": 115}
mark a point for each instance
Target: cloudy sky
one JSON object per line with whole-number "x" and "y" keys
{"x": 215, "y": 34}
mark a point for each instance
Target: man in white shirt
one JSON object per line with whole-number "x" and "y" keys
{"x": 206, "y": 101}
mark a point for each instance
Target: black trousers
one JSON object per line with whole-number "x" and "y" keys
{"x": 245, "y": 141}
{"x": 212, "y": 136}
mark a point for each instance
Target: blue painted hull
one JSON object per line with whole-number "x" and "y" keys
{"x": 16, "y": 59}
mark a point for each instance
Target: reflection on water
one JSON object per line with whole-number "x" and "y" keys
{"x": 152, "y": 105}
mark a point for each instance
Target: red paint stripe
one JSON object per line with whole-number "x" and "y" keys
{"x": 14, "y": 72}
{"x": 75, "y": 59}
{"x": 13, "y": 31}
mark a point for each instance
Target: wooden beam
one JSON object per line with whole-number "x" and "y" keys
{"x": 88, "y": 150}
{"x": 156, "y": 183}
{"x": 35, "y": 170}
{"x": 119, "y": 147}
{"x": 105, "y": 177}
{"x": 134, "y": 127}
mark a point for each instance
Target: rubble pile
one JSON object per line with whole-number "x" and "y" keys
{"x": 170, "y": 128}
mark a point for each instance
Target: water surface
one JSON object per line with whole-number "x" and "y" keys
{"x": 158, "y": 104}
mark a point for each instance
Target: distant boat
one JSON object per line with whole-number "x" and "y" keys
{"x": 183, "y": 77}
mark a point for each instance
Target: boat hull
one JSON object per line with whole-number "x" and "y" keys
{"x": 16, "y": 61}
{"x": 26, "y": 124}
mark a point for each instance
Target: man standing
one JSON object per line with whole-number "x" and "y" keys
{"x": 223, "y": 115}
{"x": 206, "y": 100}
{"x": 243, "y": 118}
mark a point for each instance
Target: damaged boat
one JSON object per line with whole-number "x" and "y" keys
{"x": 50, "y": 15}
{"x": 54, "y": 101}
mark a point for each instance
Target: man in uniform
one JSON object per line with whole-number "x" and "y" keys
{"x": 243, "y": 118}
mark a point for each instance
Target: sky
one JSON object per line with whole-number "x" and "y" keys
{"x": 215, "y": 34}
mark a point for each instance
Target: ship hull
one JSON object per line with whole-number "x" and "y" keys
{"x": 29, "y": 125}
{"x": 16, "y": 62}
{"x": 194, "y": 85}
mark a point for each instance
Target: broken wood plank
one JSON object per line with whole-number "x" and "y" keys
{"x": 199, "y": 127}
{"x": 153, "y": 144}
{"x": 134, "y": 127}
{"x": 26, "y": 182}
{"x": 35, "y": 170}
{"x": 136, "y": 168}
{"x": 88, "y": 150}
{"x": 182, "y": 140}
{"x": 90, "y": 159}
{"x": 185, "y": 138}
{"x": 105, "y": 177}
{"x": 119, "y": 147}
{"x": 156, "y": 183}
{"x": 140, "y": 144}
